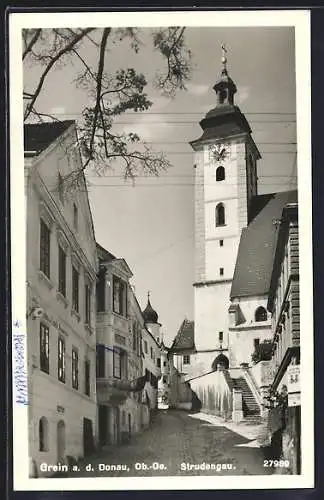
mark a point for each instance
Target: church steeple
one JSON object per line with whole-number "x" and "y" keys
{"x": 225, "y": 88}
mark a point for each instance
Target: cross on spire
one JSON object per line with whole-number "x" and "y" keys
{"x": 224, "y": 57}
{"x": 148, "y": 295}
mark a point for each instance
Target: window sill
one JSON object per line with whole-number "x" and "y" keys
{"x": 220, "y": 225}
{"x": 61, "y": 298}
{"x": 76, "y": 314}
{"x": 42, "y": 277}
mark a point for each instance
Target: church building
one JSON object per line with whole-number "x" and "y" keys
{"x": 235, "y": 238}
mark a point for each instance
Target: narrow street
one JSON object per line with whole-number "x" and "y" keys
{"x": 173, "y": 441}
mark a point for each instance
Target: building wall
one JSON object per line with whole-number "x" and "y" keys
{"x": 285, "y": 309}
{"x": 214, "y": 393}
{"x": 151, "y": 353}
{"x": 215, "y": 260}
{"x": 211, "y": 304}
{"x": 243, "y": 334}
{"x": 50, "y": 398}
{"x": 121, "y": 331}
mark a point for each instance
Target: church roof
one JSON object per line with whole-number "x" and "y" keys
{"x": 185, "y": 338}
{"x": 38, "y": 136}
{"x": 256, "y": 251}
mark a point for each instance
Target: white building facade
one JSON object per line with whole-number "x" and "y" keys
{"x": 61, "y": 275}
{"x": 119, "y": 360}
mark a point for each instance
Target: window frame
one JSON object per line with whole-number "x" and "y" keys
{"x": 186, "y": 359}
{"x": 220, "y": 174}
{"x": 220, "y": 219}
{"x": 260, "y": 314}
{"x": 75, "y": 289}
{"x": 44, "y": 355}
{"x": 119, "y": 297}
{"x": 87, "y": 304}
{"x": 75, "y": 368}
{"x": 100, "y": 361}
{"x": 45, "y": 248}
{"x": 61, "y": 359}
{"x": 87, "y": 377}
{"x": 62, "y": 271}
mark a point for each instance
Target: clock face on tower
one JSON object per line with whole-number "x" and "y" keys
{"x": 218, "y": 152}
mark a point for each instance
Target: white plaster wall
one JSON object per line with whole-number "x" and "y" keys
{"x": 217, "y": 257}
{"x": 48, "y": 396}
{"x": 211, "y": 314}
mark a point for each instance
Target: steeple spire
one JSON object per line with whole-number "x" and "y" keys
{"x": 224, "y": 58}
{"x": 225, "y": 88}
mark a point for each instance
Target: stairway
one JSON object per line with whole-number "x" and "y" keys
{"x": 251, "y": 409}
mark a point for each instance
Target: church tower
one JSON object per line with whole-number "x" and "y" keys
{"x": 225, "y": 182}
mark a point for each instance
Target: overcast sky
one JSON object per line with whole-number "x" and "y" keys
{"x": 151, "y": 225}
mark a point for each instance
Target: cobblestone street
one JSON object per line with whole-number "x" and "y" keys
{"x": 173, "y": 441}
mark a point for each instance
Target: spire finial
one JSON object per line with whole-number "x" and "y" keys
{"x": 148, "y": 295}
{"x": 224, "y": 57}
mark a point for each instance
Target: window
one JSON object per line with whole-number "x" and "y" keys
{"x": 101, "y": 361}
{"x": 186, "y": 360}
{"x": 75, "y": 369}
{"x": 119, "y": 296}
{"x": 61, "y": 360}
{"x": 60, "y": 188}
{"x": 134, "y": 333}
{"x": 164, "y": 363}
{"x": 75, "y": 289}
{"x": 158, "y": 362}
{"x": 43, "y": 434}
{"x": 101, "y": 290}
{"x": 220, "y": 174}
{"x": 75, "y": 216}
{"x": 220, "y": 337}
{"x": 151, "y": 352}
{"x": 87, "y": 377}
{"x": 145, "y": 347}
{"x": 261, "y": 314}
{"x": 220, "y": 215}
{"x": 120, "y": 363}
{"x": 221, "y": 271}
{"x": 87, "y": 304}
{"x": 45, "y": 235}
{"x": 44, "y": 348}
{"x": 221, "y": 243}
{"x": 62, "y": 272}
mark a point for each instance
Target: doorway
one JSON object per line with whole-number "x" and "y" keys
{"x": 60, "y": 436}
{"x": 88, "y": 443}
{"x": 103, "y": 425}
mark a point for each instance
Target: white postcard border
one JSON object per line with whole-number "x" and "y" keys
{"x": 300, "y": 19}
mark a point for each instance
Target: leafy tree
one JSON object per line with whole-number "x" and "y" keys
{"x": 110, "y": 95}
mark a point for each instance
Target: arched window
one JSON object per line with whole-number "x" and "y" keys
{"x": 220, "y": 174}
{"x": 261, "y": 314}
{"x": 220, "y": 215}
{"x": 43, "y": 434}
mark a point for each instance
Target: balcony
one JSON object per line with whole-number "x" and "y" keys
{"x": 111, "y": 391}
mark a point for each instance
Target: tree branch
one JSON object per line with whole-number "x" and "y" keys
{"x": 63, "y": 51}
{"x": 101, "y": 64}
{"x": 32, "y": 42}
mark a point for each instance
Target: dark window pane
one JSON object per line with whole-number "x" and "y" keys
{"x": 44, "y": 348}
{"x": 101, "y": 361}
{"x": 75, "y": 289}
{"x": 61, "y": 360}
{"x": 62, "y": 272}
{"x": 44, "y": 248}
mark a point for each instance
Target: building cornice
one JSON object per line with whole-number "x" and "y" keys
{"x": 199, "y": 284}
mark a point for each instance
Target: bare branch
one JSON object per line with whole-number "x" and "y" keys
{"x": 32, "y": 42}
{"x": 63, "y": 51}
